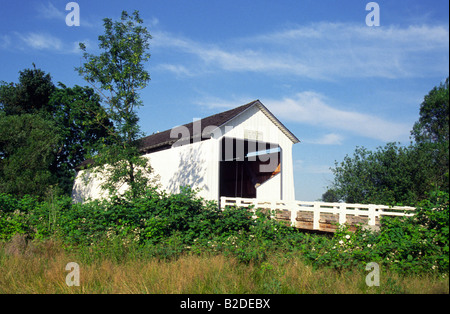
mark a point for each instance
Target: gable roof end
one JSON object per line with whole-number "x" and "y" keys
{"x": 163, "y": 139}
{"x": 277, "y": 122}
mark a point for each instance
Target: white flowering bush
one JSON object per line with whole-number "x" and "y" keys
{"x": 166, "y": 226}
{"x": 404, "y": 244}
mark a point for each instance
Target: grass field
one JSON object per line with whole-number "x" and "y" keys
{"x": 39, "y": 268}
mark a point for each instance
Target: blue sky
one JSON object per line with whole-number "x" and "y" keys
{"x": 335, "y": 82}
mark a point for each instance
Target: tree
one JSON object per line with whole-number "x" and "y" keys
{"x": 82, "y": 123}
{"x": 431, "y": 133}
{"x": 390, "y": 175}
{"x": 395, "y": 174}
{"x": 330, "y": 196}
{"x": 30, "y": 95}
{"x": 73, "y": 120}
{"x": 118, "y": 75}
{"x": 433, "y": 124}
{"x": 28, "y": 144}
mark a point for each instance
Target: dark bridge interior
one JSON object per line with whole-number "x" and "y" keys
{"x": 246, "y": 164}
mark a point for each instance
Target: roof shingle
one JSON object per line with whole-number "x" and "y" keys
{"x": 163, "y": 139}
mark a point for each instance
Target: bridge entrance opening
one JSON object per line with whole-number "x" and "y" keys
{"x": 245, "y": 165}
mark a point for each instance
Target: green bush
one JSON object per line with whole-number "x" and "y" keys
{"x": 167, "y": 226}
{"x": 404, "y": 244}
{"x": 418, "y": 243}
{"x": 15, "y": 215}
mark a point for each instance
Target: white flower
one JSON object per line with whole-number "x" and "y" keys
{"x": 369, "y": 245}
{"x": 341, "y": 242}
{"x": 347, "y": 236}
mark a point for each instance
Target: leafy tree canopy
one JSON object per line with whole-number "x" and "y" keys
{"x": 28, "y": 146}
{"x": 396, "y": 174}
{"x": 30, "y": 95}
{"x": 54, "y": 126}
{"x": 118, "y": 74}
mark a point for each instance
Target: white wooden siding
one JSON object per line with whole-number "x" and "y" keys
{"x": 197, "y": 164}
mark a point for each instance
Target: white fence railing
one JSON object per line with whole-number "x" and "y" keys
{"x": 341, "y": 209}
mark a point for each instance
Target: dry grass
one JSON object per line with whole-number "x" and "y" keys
{"x": 40, "y": 268}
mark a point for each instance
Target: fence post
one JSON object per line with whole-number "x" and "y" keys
{"x": 294, "y": 213}
{"x": 316, "y": 216}
{"x": 372, "y": 214}
{"x": 342, "y": 214}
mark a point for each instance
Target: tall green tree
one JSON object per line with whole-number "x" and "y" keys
{"x": 81, "y": 123}
{"x": 431, "y": 133}
{"x": 389, "y": 175}
{"x": 71, "y": 120}
{"x": 30, "y": 95}
{"x": 28, "y": 146}
{"x": 118, "y": 74}
{"x": 395, "y": 174}
{"x": 433, "y": 124}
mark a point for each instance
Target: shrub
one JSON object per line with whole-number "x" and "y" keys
{"x": 404, "y": 244}
{"x": 167, "y": 226}
{"x": 418, "y": 243}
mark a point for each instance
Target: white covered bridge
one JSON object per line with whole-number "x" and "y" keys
{"x": 238, "y": 157}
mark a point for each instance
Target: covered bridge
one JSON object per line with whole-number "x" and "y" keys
{"x": 243, "y": 152}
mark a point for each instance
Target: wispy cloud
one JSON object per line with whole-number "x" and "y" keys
{"x": 41, "y": 41}
{"x": 49, "y": 11}
{"x": 178, "y": 70}
{"x": 327, "y": 139}
{"x": 306, "y": 167}
{"x": 312, "y": 108}
{"x": 216, "y": 103}
{"x": 325, "y": 51}
{"x": 5, "y": 41}
{"x": 315, "y": 109}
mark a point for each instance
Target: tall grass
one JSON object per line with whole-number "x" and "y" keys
{"x": 39, "y": 267}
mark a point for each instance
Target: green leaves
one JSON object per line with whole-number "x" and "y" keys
{"x": 167, "y": 226}
{"x": 388, "y": 175}
{"x": 120, "y": 67}
{"x": 28, "y": 146}
{"x": 395, "y": 174}
{"x": 45, "y": 133}
{"x": 433, "y": 124}
{"x": 31, "y": 95}
{"x": 118, "y": 74}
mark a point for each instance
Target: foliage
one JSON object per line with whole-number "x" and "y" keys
{"x": 431, "y": 133}
{"x": 405, "y": 244}
{"x": 81, "y": 123}
{"x": 169, "y": 226}
{"x": 433, "y": 124}
{"x": 330, "y": 196}
{"x": 390, "y": 175}
{"x": 31, "y": 95}
{"x": 119, "y": 74}
{"x": 28, "y": 145}
{"x": 45, "y": 132}
{"x": 396, "y": 174}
